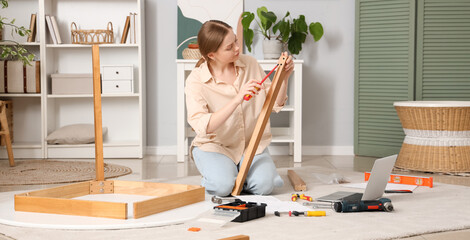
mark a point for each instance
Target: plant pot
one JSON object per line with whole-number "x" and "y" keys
{"x": 272, "y": 49}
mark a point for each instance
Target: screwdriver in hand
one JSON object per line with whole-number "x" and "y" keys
{"x": 248, "y": 96}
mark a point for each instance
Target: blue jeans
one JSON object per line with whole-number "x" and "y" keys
{"x": 219, "y": 173}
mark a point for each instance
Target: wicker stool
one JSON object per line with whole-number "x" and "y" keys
{"x": 437, "y": 136}
{"x": 5, "y": 132}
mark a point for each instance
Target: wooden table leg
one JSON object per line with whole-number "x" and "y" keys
{"x": 99, "y": 164}
{"x": 260, "y": 126}
{"x": 5, "y": 132}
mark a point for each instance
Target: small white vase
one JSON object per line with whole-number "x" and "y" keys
{"x": 272, "y": 49}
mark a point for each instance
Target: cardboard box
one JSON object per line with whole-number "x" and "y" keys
{"x": 72, "y": 83}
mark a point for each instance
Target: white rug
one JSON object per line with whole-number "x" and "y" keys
{"x": 427, "y": 210}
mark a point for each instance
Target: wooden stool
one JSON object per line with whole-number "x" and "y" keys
{"x": 5, "y": 132}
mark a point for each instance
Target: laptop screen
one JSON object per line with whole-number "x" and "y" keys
{"x": 379, "y": 177}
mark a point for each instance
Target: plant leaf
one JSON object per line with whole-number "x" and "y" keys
{"x": 281, "y": 26}
{"x": 248, "y": 37}
{"x": 4, "y": 3}
{"x": 284, "y": 30}
{"x": 270, "y": 19}
{"x": 295, "y": 42}
{"x": 261, "y": 17}
{"x": 316, "y": 29}
{"x": 276, "y": 26}
{"x": 247, "y": 18}
{"x": 300, "y": 24}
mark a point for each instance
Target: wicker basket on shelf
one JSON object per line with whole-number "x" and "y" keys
{"x": 92, "y": 36}
{"x": 189, "y": 53}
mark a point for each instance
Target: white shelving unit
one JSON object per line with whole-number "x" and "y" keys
{"x": 37, "y": 115}
{"x": 290, "y": 134}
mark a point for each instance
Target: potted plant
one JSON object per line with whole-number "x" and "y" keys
{"x": 288, "y": 31}
{"x": 12, "y": 49}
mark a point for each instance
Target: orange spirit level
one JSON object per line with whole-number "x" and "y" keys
{"x": 405, "y": 179}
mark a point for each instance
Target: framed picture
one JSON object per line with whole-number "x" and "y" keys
{"x": 193, "y": 13}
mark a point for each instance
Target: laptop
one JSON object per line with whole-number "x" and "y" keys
{"x": 375, "y": 188}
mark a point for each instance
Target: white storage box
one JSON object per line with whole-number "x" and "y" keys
{"x": 118, "y": 79}
{"x": 72, "y": 83}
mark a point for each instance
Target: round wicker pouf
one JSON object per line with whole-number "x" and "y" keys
{"x": 437, "y": 136}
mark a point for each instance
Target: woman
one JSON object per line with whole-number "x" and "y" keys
{"x": 222, "y": 119}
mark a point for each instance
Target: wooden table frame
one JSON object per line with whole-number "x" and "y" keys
{"x": 59, "y": 200}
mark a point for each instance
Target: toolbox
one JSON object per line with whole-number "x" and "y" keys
{"x": 248, "y": 210}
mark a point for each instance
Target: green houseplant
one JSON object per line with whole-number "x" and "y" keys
{"x": 291, "y": 32}
{"x": 11, "y": 49}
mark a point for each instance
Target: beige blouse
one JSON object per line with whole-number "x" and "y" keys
{"x": 206, "y": 95}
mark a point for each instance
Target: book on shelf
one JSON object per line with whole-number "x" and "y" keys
{"x": 51, "y": 29}
{"x": 32, "y": 28}
{"x": 56, "y": 30}
{"x": 125, "y": 31}
{"x": 131, "y": 29}
{"x": 135, "y": 30}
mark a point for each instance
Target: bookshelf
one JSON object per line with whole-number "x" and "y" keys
{"x": 37, "y": 115}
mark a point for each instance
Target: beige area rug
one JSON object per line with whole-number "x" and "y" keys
{"x": 33, "y": 172}
{"x": 426, "y": 210}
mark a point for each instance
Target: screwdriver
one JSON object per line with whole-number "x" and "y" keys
{"x": 248, "y": 96}
{"x": 310, "y": 213}
{"x": 306, "y": 213}
{"x": 324, "y": 205}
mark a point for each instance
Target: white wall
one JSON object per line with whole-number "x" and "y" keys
{"x": 328, "y": 73}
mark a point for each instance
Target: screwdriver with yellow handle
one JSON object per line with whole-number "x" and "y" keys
{"x": 306, "y": 213}
{"x": 247, "y": 97}
{"x": 310, "y": 213}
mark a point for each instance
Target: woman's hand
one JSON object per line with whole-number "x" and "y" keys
{"x": 252, "y": 87}
{"x": 289, "y": 67}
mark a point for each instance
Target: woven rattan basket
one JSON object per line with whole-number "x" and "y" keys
{"x": 92, "y": 36}
{"x": 437, "y": 136}
{"x": 189, "y": 53}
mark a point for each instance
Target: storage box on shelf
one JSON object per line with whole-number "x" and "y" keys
{"x": 117, "y": 79}
{"x": 58, "y": 106}
{"x": 290, "y": 134}
{"x": 72, "y": 83}
{"x": 17, "y": 77}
